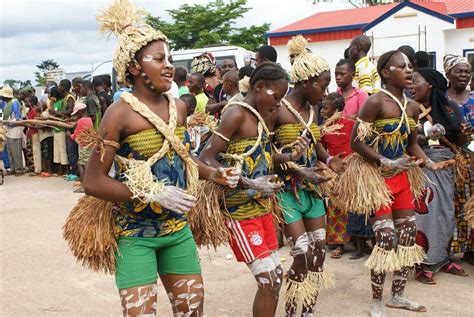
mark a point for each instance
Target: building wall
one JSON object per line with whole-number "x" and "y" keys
{"x": 441, "y": 37}
{"x": 458, "y": 40}
{"x": 402, "y": 28}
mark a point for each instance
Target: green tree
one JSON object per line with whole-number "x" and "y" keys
{"x": 195, "y": 26}
{"x": 47, "y": 64}
{"x": 11, "y": 83}
{"x": 44, "y": 67}
{"x": 17, "y": 84}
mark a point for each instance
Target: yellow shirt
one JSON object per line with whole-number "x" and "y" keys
{"x": 201, "y": 102}
{"x": 366, "y": 76}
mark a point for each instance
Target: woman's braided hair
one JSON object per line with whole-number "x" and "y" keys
{"x": 267, "y": 71}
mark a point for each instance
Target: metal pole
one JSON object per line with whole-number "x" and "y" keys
{"x": 426, "y": 41}
{"x": 419, "y": 40}
{"x": 373, "y": 44}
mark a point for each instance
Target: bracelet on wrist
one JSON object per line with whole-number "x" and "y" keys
{"x": 329, "y": 159}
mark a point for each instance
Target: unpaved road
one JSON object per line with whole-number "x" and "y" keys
{"x": 40, "y": 278}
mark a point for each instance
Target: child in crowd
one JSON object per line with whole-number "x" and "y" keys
{"x": 83, "y": 122}
{"x": 46, "y": 140}
{"x": 354, "y": 98}
{"x": 197, "y": 84}
{"x": 366, "y": 76}
{"x": 335, "y": 143}
{"x": 32, "y": 134}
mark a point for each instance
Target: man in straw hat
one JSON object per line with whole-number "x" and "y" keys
{"x": 154, "y": 188}
{"x": 12, "y": 111}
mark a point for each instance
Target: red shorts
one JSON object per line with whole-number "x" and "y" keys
{"x": 399, "y": 187}
{"x": 254, "y": 238}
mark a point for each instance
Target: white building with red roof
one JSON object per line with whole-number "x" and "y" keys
{"x": 437, "y": 27}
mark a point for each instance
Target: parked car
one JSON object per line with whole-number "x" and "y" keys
{"x": 240, "y": 55}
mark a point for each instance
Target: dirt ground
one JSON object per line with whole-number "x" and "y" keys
{"x": 39, "y": 277}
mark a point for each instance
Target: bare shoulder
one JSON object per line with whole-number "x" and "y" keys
{"x": 371, "y": 108}
{"x": 181, "y": 109}
{"x": 234, "y": 112}
{"x": 413, "y": 109}
{"x": 118, "y": 110}
{"x": 180, "y": 105}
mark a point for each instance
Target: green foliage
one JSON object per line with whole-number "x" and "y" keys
{"x": 44, "y": 66}
{"x": 196, "y": 25}
{"x": 40, "y": 79}
{"x": 17, "y": 84}
{"x": 47, "y": 65}
{"x": 251, "y": 37}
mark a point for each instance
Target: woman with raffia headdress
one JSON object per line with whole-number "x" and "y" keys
{"x": 156, "y": 180}
{"x": 206, "y": 65}
{"x": 250, "y": 210}
{"x": 458, "y": 71}
{"x": 383, "y": 179}
{"x": 441, "y": 130}
{"x": 297, "y": 142}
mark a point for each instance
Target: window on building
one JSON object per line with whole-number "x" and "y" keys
{"x": 432, "y": 59}
{"x": 469, "y": 54}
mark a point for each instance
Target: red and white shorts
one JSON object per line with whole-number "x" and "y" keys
{"x": 254, "y": 238}
{"x": 399, "y": 187}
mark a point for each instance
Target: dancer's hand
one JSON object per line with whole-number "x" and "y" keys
{"x": 402, "y": 163}
{"x": 312, "y": 174}
{"x": 173, "y": 198}
{"x": 466, "y": 128}
{"x": 300, "y": 147}
{"x": 435, "y": 132}
{"x": 439, "y": 165}
{"x": 337, "y": 163}
{"x": 226, "y": 176}
{"x": 263, "y": 184}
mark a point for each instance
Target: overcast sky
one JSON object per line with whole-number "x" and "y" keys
{"x": 66, "y": 31}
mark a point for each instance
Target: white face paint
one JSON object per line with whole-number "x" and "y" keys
{"x": 147, "y": 58}
{"x": 167, "y": 56}
{"x": 269, "y": 92}
{"x": 407, "y": 61}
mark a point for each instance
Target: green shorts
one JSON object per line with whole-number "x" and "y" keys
{"x": 141, "y": 259}
{"x": 309, "y": 206}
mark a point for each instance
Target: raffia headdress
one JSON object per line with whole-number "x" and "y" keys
{"x": 306, "y": 64}
{"x": 128, "y": 23}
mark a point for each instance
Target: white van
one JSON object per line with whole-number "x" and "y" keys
{"x": 240, "y": 55}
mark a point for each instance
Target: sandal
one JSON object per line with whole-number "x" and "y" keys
{"x": 337, "y": 252}
{"x": 455, "y": 269}
{"x": 425, "y": 277}
{"x": 356, "y": 255}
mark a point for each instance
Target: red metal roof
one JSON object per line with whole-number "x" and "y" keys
{"x": 452, "y": 6}
{"x": 337, "y": 18}
{"x": 359, "y": 17}
{"x": 459, "y": 6}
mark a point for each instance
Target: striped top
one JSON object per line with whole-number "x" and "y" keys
{"x": 366, "y": 76}
{"x": 241, "y": 203}
{"x": 288, "y": 133}
{"x": 138, "y": 219}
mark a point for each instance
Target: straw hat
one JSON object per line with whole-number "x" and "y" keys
{"x": 6, "y": 92}
{"x": 78, "y": 107}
